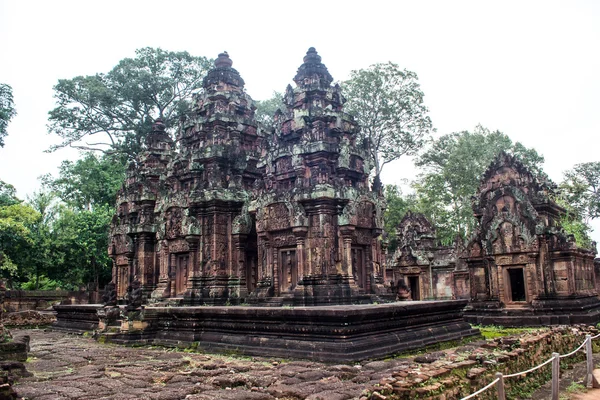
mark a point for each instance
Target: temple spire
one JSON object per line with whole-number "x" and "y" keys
{"x": 313, "y": 71}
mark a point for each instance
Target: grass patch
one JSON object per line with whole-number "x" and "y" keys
{"x": 576, "y": 387}
{"x": 493, "y": 331}
{"x": 435, "y": 347}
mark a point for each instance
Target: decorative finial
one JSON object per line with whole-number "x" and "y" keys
{"x": 223, "y": 60}
{"x": 312, "y": 56}
{"x": 158, "y": 125}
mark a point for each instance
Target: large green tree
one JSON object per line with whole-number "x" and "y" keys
{"x": 88, "y": 182}
{"x": 388, "y": 104}
{"x": 451, "y": 169}
{"x": 581, "y": 189}
{"x": 16, "y": 240}
{"x": 7, "y": 110}
{"x": 112, "y": 112}
{"x": 87, "y": 190}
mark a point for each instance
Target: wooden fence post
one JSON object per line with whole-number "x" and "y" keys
{"x": 500, "y": 386}
{"x": 555, "y": 375}
{"x": 589, "y": 377}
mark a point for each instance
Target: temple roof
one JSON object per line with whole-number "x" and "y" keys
{"x": 313, "y": 68}
{"x": 223, "y": 72}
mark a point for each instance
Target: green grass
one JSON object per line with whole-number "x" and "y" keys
{"x": 576, "y": 387}
{"x": 493, "y": 331}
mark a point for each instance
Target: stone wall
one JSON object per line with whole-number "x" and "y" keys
{"x": 456, "y": 373}
{"x": 22, "y": 300}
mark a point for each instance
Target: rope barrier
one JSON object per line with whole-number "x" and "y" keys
{"x": 483, "y": 389}
{"x": 574, "y": 351}
{"x": 530, "y": 370}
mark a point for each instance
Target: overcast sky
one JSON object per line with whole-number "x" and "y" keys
{"x": 530, "y": 69}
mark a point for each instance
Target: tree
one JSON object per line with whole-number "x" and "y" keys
{"x": 15, "y": 239}
{"x": 397, "y": 206}
{"x": 81, "y": 243}
{"x": 89, "y": 182}
{"x": 388, "y": 104}
{"x": 79, "y": 230}
{"x": 265, "y": 110}
{"x": 8, "y": 194}
{"x": 581, "y": 189}
{"x": 112, "y": 112}
{"x": 7, "y": 110}
{"x": 451, "y": 171}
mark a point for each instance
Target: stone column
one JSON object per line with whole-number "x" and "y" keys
{"x": 300, "y": 233}
{"x": 347, "y": 231}
{"x": 193, "y": 263}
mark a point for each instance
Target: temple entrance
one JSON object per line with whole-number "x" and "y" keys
{"x": 516, "y": 291}
{"x": 358, "y": 267}
{"x": 288, "y": 270}
{"x": 251, "y": 270}
{"x": 181, "y": 274}
{"x": 413, "y": 284}
{"x": 251, "y": 261}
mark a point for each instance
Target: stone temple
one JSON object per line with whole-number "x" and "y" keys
{"x": 237, "y": 214}
{"x": 519, "y": 268}
{"x": 267, "y": 241}
{"x": 259, "y": 241}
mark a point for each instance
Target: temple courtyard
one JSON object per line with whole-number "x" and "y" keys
{"x": 66, "y": 366}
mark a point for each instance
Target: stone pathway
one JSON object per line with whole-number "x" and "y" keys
{"x": 74, "y": 367}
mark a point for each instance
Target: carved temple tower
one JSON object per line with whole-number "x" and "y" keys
{"x": 203, "y": 238}
{"x": 133, "y": 228}
{"x": 524, "y": 269}
{"x": 229, "y": 216}
{"x": 317, "y": 221}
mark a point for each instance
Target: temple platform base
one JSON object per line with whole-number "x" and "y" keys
{"x": 541, "y": 312}
{"x": 327, "y": 333}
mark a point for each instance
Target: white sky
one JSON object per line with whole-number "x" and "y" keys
{"x": 528, "y": 68}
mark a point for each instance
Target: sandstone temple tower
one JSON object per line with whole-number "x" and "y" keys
{"x": 237, "y": 214}
{"x": 524, "y": 269}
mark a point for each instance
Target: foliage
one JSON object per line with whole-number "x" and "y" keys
{"x": 581, "y": 189}
{"x": 112, "y": 112}
{"x": 7, "y": 110}
{"x": 388, "y": 104}
{"x": 16, "y": 239}
{"x": 265, "y": 110}
{"x": 88, "y": 182}
{"x": 81, "y": 240}
{"x": 573, "y": 223}
{"x": 397, "y": 206}
{"x": 451, "y": 171}
{"x": 8, "y": 194}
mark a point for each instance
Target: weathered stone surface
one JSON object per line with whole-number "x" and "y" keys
{"x": 333, "y": 333}
{"x": 242, "y": 213}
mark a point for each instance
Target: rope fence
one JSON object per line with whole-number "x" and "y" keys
{"x": 555, "y": 360}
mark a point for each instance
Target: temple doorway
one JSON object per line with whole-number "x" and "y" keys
{"x": 181, "y": 274}
{"x": 288, "y": 270}
{"x": 251, "y": 261}
{"x": 413, "y": 284}
{"x": 516, "y": 291}
{"x": 358, "y": 267}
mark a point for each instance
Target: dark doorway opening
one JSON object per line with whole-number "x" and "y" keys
{"x": 288, "y": 270}
{"x": 251, "y": 263}
{"x": 517, "y": 284}
{"x": 358, "y": 267}
{"x": 413, "y": 282}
